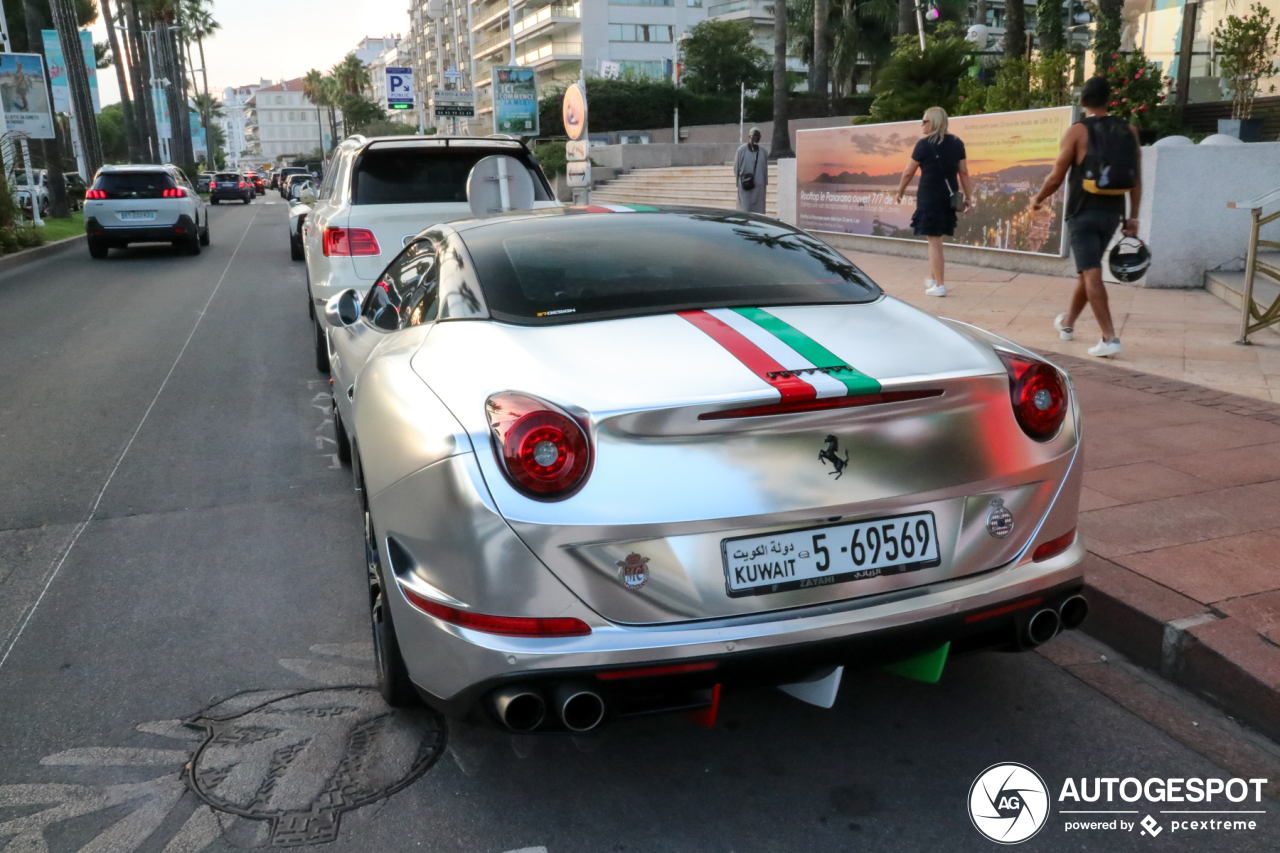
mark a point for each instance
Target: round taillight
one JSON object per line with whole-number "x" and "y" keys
{"x": 1038, "y": 394}
{"x": 544, "y": 452}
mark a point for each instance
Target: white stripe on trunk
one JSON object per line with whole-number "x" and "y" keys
{"x": 781, "y": 353}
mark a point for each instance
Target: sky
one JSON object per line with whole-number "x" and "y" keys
{"x": 280, "y": 39}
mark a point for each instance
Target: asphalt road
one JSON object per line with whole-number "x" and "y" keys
{"x": 179, "y": 545}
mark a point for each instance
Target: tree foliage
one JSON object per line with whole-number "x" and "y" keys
{"x": 719, "y": 56}
{"x": 15, "y": 14}
{"x": 912, "y": 80}
{"x": 861, "y": 33}
{"x": 1247, "y": 48}
{"x": 1019, "y": 84}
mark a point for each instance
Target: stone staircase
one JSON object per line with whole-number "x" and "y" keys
{"x": 1229, "y": 286}
{"x": 696, "y": 186}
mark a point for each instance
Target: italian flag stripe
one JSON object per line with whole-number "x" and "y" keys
{"x": 854, "y": 381}
{"x": 791, "y": 387}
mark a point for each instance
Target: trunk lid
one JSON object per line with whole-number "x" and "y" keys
{"x": 645, "y": 540}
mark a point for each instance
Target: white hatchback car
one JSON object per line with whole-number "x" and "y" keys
{"x": 144, "y": 204}
{"x": 377, "y": 195}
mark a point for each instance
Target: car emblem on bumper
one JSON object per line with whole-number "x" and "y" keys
{"x": 831, "y": 453}
{"x": 999, "y": 520}
{"x": 634, "y": 571}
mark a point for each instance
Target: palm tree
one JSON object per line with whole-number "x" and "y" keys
{"x": 821, "y": 54}
{"x": 49, "y": 149}
{"x": 139, "y": 63}
{"x": 781, "y": 146}
{"x": 67, "y": 25}
{"x": 200, "y": 26}
{"x": 316, "y": 89}
{"x": 126, "y": 103}
{"x": 352, "y": 75}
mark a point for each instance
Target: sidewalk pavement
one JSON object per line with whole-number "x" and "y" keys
{"x": 1181, "y": 506}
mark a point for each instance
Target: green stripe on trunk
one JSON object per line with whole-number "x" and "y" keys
{"x": 856, "y": 381}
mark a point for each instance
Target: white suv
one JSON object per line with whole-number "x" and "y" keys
{"x": 378, "y": 193}
{"x": 144, "y": 204}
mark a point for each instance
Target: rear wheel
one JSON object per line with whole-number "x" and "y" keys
{"x": 204, "y": 235}
{"x": 295, "y": 249}
{"x": 322, "y": 348}
{"x": 192, "y": 244}
{"x": 393, "y": 676}
{"x": 247, "y": 199}
{"x": 213, "y": 201}
{"x": 344, "y": 440}
{"x": 98, "y": 249}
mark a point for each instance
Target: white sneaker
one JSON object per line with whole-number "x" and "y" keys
{"x": 1103, "y": 349}
{"x": 1064, "y": 332}
{"x": 932, "y": 288}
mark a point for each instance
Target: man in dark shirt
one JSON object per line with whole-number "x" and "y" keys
{"x": 1091, "y": 219}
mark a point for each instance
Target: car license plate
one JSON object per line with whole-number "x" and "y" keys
{"x": 837, "y": 553}
{"x": 137, "y": 215}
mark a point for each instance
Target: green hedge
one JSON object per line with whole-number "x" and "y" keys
{"x": 650, "y": 104}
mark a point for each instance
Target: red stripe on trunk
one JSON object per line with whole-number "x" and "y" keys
{"x": 792, "y": 388}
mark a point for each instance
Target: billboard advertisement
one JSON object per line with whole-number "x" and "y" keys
{"x": 25, "y": 96}
{"x": 847, "y": 180}
{"x": 58, "y": 70}
{"x": 515, "y": 100}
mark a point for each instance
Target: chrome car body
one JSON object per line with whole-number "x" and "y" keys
{"x": 680, "y": 468}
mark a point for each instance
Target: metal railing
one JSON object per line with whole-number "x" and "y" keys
{"x": 1270, "y": 315}
{"x": 558, "y": 48}
{"x": 726, "y": 8}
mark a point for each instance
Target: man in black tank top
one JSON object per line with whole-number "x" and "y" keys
{"x": 1091, "y": 219}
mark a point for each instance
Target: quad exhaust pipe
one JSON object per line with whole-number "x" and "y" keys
{"x": 1045, "y": 624}
{"x": 523, "y": 709}
{"x": 1073, "y": 611}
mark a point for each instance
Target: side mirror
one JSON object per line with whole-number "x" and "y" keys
{"x": 343, "y": 309}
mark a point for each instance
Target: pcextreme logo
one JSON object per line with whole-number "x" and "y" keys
{"x": 1009, "y": 803}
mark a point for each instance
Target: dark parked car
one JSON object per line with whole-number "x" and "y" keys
{"x": 230, "y": 186}
{"x": 259, "y": 185}
{"x": 285, "y": 174}
{"x": 203, "y": 181}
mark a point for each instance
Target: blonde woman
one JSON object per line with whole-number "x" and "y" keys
{"x": 939, "y": 156}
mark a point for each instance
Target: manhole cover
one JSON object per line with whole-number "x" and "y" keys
{"x": 300, "y": 760}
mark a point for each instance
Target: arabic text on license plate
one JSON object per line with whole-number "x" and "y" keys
{"x": 137, "y": 214}
{"x": 820, "y": 556}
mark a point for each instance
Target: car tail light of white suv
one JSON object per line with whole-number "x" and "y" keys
{"x": 350, "y": 242}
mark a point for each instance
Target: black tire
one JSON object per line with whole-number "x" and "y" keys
{"x": 192, "y": 244}
{"x": 344, "y": 440}
{"x": 98, "y": 249}
{"x": 322, "y": 348}
{"x": 248, "y": 199}
{"x": 295, "y": 249}
{"x": 213, "y": 201}
{"x": 393, "y": 676}
{"x": 204, "y": 235}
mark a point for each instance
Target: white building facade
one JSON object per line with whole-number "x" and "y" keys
{"x": 235, "y": 100}
{"x": 281, "y": 122}
{"x": 558, "y": 39}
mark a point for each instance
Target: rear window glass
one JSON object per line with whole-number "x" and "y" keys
{"x": 143, "y": 183}
{"x": 561, "y": 268}
{"x": 424, "y": 174}
{"x": 228, "y": 176}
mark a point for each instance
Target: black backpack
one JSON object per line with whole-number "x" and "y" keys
{"x": 1110, "y": 164}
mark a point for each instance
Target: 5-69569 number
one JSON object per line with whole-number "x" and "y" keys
{"x": 818, "y": 556}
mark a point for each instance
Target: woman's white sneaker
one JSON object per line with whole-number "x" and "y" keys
{"x": 1103, "y": 349}
{"x": 1064, "y": 332}
{"x": 932, "y": 288}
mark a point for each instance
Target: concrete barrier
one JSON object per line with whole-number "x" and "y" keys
{"x": 657, "y": 156}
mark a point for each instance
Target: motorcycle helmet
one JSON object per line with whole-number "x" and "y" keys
{"x": 1129, "y": 259}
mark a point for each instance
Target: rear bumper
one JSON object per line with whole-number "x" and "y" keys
{"x": 237, "y": 195}
{"x": 180, "y": 230}
{"x": 975, "y": 612}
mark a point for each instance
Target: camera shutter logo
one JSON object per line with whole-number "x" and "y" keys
{"x": 1008, "y": 803}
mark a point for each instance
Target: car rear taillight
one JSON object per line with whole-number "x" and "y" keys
{"x": 95, "y": 194}
{"x": 1038, "y": 393}
{"x": 177, "y": 192}
{"x": 543, "y": 451}
{"x": 1054, "y": 547}
{"x": 242, "y": 185}
{"x": 508, "y": 626}
{"x": 350, "y": 242}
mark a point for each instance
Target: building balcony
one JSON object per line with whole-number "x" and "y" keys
{"x": 497, "y": 13}
{"x": 551, "y": 52}
{"x": 737, "y": 10}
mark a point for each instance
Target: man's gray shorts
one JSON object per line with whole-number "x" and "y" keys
{"x": 1091, "y": 232}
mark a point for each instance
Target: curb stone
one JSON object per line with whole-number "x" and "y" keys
{"x": 38, "y": 253}
{"x": 1221, "y": 659}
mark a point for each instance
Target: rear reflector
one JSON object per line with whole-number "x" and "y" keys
{"x": 508, "y": 626}
{"x": 795, "y": 407}
{"x": 1054, "y": 547}
{"x": 651, "y": 671}
{"x": 1000, "y": 611}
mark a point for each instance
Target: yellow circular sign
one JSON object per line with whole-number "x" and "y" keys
{"x": 574, "y": 111}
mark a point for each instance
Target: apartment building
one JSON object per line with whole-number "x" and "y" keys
{"x": 281, "y": 121}
{"x": 555, "y": 37}
{"x": 235, "y": 100}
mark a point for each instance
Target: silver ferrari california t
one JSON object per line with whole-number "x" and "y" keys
{"x": 613, "y": 458}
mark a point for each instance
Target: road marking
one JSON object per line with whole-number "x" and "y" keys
{"x": 80, "y": 528}
{"x": 116, "y": 756}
